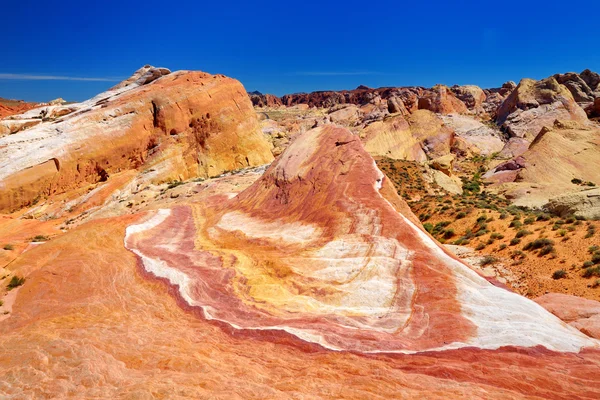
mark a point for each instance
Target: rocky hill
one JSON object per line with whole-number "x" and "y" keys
{"x": 152, "y": 248}
{"x": 183, "y": 124}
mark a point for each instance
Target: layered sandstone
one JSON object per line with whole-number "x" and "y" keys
{"x": 535, "y": 104}
{"x": 315, "y": 250}
{"x": 313, "y": 282}
{"x": 200, "y": 124}
{"x": 560, "y": 153}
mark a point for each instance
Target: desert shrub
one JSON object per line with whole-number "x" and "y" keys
{"x": 502, "y": 246}
{"x": 8, "y": 247}
{"x": 596, "y": 257}
{"x": 174, "y": 184}
{"x": 591, "y": 271}
{"x": 481, "y": 232}
{"x": 588, "y": 264}
{"x": 424, "y": 217}
{"x": 496, "y": 235}
{"x": 428, "y": 227}
{"x": 515, "y": 224}
{"x": 538, "y": 244}
{"x": 562, "y": 232}
{"x": 529, "y": 221}
{"x": 591, "y": 230}
{"x": 522, "y": 232}
{"x": 593, "y": 249}
{"x": 15, "y": 282}
{"x": 480, "y": 246}
{"x": 40, "y": 238}
{"x": 481, "y": 219}
{"x": 596, "y": 283}
{"x": 576, "y": 181}
{"x": 518, "y": 255}
{"x": 487, "y": 260}
{"x": 515, "y": 241}
{"x": 546, "y": 250}
{"x": 461, "y": 215}
{"x": 544, "y": 217}
{"x": 448, "y": 233}
{"x": 559, "y": 274}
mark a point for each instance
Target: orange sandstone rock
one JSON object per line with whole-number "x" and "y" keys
{"x": 206, "y": 121}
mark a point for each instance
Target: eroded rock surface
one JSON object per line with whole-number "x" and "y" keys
{"x": 198, "y": 124}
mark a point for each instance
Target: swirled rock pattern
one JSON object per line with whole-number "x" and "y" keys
{"x": 313, "y": 249}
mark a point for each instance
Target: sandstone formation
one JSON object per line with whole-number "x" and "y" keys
{"x": 441, "y": 100}
{"x": 584, "y": 87}
{"x": 535, "y": 104}
{"x": 479, "y": 138}
{"x": 313, "y": 249}
{"x": 578, "y": 312}
{"x": 10, "y": 107}
{"x": 558, "y": 155}
{"x": 226, "y": 292}
{"x": 593, "y": 110}
{"x": 192, "y": 123}
{"x": 585, "y": 203}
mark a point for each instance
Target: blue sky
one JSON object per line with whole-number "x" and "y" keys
{"x": 284, "y": 47}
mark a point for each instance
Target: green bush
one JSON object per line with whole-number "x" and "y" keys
{"x": 448, "y": 233}
{"x": 487, "y": 260}
{"x": 502, "y": 246}
{"x": 428, "y": 227}
{"x": 591, "y": 271}
{"x": 522, "y": 232}
{"x": 8, "y": 247}
{"x": 15, "y": 282}
{"x": 546, "y": 250}
{"x": 515, "y": 241}
{"x": 40, "y": 238}
{"x": 538, "y": 244}
{"x": 461, "y": 215}
{"x": 515, "y": 224}
{"x": 559, "y": 274}
{"x": 529, "y": 221}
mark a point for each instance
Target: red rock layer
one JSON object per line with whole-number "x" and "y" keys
{"x": 314, "y": 250}
{"x": 11, "y": 107}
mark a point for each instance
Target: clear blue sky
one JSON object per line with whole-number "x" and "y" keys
{"x": 284, "y": 47}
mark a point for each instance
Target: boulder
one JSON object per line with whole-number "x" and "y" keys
{"x": 443, "y": 164}
{"x": 396, "y": 105}
{"x": 593, "y": 110}
{"x": 440, "y": 99}
{"x": 534, "y": 104}
{"x": 580, "y": 90}
{"x": 583, "y": 314}
{"x": 585, "y": 203}
{"x": 480, "y": 138}
{"x": 472, "y": 96}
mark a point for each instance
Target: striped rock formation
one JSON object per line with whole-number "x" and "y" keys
{"x": 320, "y": 248}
